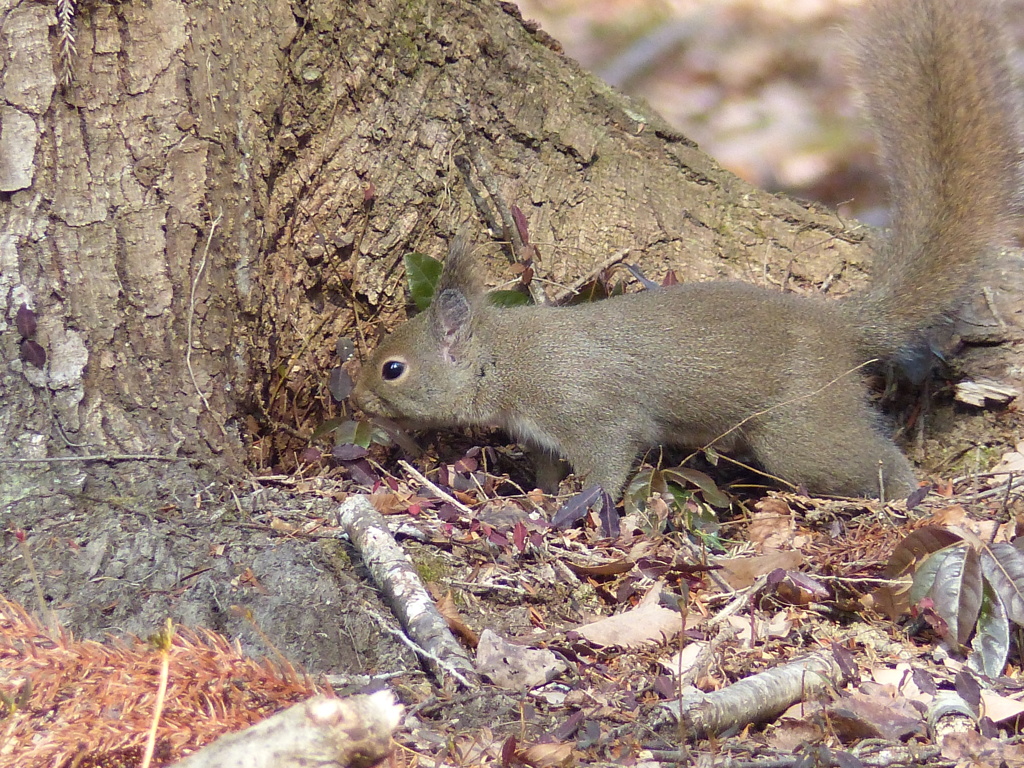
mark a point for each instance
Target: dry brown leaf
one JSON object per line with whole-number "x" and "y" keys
{"x": 1012, "y": 461}
{"x": 548, "y": 755}
{"x": 792, "y": 733}
{"x": 741, "y": 572}
{"x": 515, "y": 667}
{"x": 447, "y": 608}
{"x": 647, "y": 623}
{"x": 772, "y": 527}
{"x": 971, "y": 747}
{"x": 681, "y": 662}
{"x": 861, "y": 716}
{"x": 1000, "y": 708}
{"x": 748, "y": 631}
{"x": 282, "y": 526}
{"x": 389, "y": 502}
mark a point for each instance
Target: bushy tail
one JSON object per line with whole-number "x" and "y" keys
{"x": 939, "y": 92}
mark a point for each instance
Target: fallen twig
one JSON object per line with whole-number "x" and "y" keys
{"x": 757, "y": 698}
{"x": 355, "y": 731}
{"x": 408, "y": 598}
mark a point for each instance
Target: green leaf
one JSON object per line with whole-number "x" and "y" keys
{"x": 709, "y": 490}
{"x": 359, "y": 433}
{"x": 991, "y": 644}
{"x": 422, "y": 272}
{"x": 644, "y": 484}
{"x": 509, "y": 298}
{"x": 924, "y": 576}
{"x": 328, "y": 426}
{"x": 1003, "y": 565}
{"x": 697, "y": 517}
{"x": 588, "y": 293}
{"x": 957, "y": 591}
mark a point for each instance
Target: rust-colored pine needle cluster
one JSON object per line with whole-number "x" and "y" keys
{"x": 66, "y": 703}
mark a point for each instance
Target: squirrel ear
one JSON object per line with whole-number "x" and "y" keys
{"x": 459, "y": 272}
{"x": 450, "y": 319}
{"x": 457, "y": 290}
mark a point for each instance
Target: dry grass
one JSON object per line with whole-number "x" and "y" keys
{"x": 67, "y": 703}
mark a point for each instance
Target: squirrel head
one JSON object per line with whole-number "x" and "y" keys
{"x": 428, "y": 371}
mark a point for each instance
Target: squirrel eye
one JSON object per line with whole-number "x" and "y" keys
{"x": 392, "y": 369}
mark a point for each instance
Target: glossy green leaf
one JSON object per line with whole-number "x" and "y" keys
{"x": 957, "y": 591}
{"x": 991, "y": 644}
{"x": 709, "y": 490}
{"x": 422, "y": 273}
{"x": 698, "y": 518}
{"x": 595, "y": 290}
{"x": 644, "y": 484}
{"x": 328, "y": 426}
{"x": 924, "y": 576}
{"x": 509, "y": 298}
{"x": 354, "y": 432}
{"x": 1003, "y": 565}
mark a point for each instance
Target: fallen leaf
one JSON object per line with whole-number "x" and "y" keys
{"x": 971, "y": 747}
{"x": 860, "y": 716}
{"x": 681, "y": 662}
{"x": 792, "y": 733}
{"x": 548, "y": 755}
{"x": 741, "y": 572}
{"x": 447, "y": 608}
{"x": 647, "y": 623}
{"x": 515, "y": 667}
{"x": 1012, "y": 461}
{"x": 772, "y": 527}
{"x": 1000, "y": 708}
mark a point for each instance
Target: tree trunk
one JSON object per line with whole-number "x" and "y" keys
{"x": 225, "y": 189}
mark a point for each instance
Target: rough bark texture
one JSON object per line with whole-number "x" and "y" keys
{"x": 225, "y": 189}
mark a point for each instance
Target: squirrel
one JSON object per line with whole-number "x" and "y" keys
{"x": 734, "y": 365}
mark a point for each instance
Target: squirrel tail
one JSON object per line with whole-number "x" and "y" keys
{"x": 939, "y": 92}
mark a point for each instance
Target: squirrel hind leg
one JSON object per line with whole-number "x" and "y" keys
{"x": 550, "y": 469}
{"x": 833, "y": 456}
{"x": 607, "y": 465}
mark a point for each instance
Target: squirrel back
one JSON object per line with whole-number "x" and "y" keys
{"x": 942, "y": 102}
{"x": 738, "y": 366}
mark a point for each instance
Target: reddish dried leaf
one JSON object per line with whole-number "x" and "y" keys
{"x": 521, "y": 225}
{"x": 519, "y": 536}
{"x": 25, "y": 320}
{"x": 917, "y": 545}
{"x": 33, "y": 353}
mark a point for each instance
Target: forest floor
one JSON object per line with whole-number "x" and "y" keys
{"x": 703, "y": 581}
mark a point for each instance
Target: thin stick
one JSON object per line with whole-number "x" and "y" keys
{"x": 442, "y": 494}
{"x": 573, "y": 287}
{"x": 164, "y": 639}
